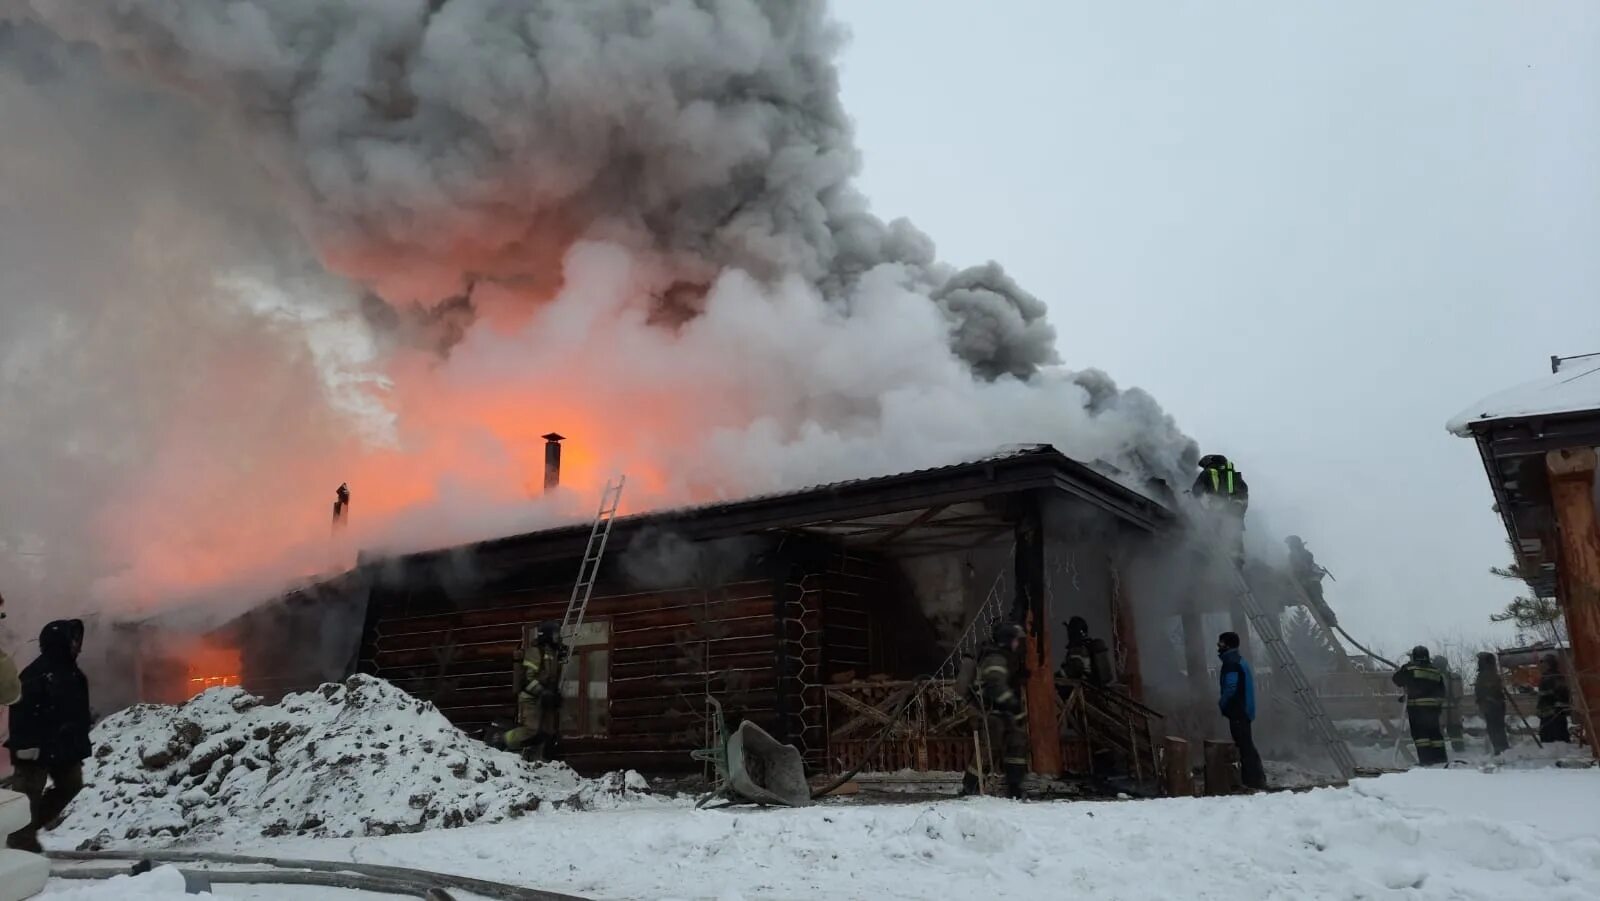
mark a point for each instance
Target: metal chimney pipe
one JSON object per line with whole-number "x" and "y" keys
{"x": 552, "y": 461}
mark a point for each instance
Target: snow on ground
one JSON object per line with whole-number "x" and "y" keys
{"x": 361, "y": 758}
{"x": 1456, "y": 834}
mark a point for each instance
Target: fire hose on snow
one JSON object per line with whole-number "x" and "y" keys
{"x": 286, "y": 871}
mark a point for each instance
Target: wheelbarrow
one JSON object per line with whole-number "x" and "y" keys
{"x": 752, "y": 767}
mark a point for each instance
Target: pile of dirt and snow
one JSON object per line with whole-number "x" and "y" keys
{"x": 351, "y": 759}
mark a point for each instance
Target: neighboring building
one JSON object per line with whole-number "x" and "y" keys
{"x": 1538, "y": 443}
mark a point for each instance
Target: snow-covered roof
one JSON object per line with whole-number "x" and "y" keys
{"x": 1574, "y": 388}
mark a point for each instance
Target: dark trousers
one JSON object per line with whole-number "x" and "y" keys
{"x": 1454, "y": 727}
{"x": 1426, "y": 735}
{"x": 1008, "y": 735}
{"x": 1251, "y": 773}
{"x": 64, "y": 781}
{"x": 1554, "y": 729}
{"x": 1494, "y": 717}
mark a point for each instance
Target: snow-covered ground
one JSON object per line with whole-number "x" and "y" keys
{"x": 1459, "y": 834}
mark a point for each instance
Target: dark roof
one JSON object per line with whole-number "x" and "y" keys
{"x": 1514, "y": 429}
{"x": 1513, "y": 454}
{"x": 887, "y": 504}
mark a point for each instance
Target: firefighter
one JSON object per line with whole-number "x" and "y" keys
{"x": 996, "y": 697}
{"x": 50, "y": 729}
{"x": 1425, "y": 690}
{"x": 1490, "y": 693}
{"x": 1303, "y": 566}
{"x": 1087, "y": 659}
{"x": 1555, "y": 702}
{"x": 1454, "y": 694}
{"x": 538, "y": 730}
{"x": 1221, "y": 489}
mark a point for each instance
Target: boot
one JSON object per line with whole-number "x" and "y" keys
{"x": 969, "y": 784}
{"x": 1015, "y": 772}
{"x": 26, "y": 840}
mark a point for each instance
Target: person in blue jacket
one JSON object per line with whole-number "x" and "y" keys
{"x": 1237, "y": 701}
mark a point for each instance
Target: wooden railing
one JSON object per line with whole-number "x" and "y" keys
{"x": 1104, "y": 729}
{"x": 933, "y": 735}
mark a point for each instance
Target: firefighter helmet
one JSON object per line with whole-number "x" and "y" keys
{"x": 549, "y": 632}
{"x": 1419, "y": 654}
{"x": 1005, "y": 633}
{"x": 1213, "y": 461}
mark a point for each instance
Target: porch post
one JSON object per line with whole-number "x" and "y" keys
{"x": 1572, "y": 478}
{"x": 1031, "y": 606}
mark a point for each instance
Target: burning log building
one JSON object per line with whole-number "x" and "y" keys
{"x": 807, "y": 612}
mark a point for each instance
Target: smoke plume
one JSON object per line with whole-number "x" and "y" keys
{"x": 251, "y": 250}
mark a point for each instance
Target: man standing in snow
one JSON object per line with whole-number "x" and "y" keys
{"x": 1425, "y": 692}
{"x": 996, "y": 696}
{"x": 1489, "y": 690}
{"x": 50, "y": 729}
{"x": 1555, "y": 703}
{"x": 538, "y": 727}
{"x": 1222, "y": 490}
{"x": 1237, "y": 701}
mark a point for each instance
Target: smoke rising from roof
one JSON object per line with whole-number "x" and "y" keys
{"x": 630, "y": 220}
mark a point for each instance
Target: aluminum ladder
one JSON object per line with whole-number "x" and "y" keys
{"x": 589, "y": 569}
{"x": 1283, "y": 662}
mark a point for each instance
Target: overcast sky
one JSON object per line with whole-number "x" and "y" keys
{"x": 1314, "y": 232}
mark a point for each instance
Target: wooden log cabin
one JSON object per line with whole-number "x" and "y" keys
{"x": 795, "y": 610}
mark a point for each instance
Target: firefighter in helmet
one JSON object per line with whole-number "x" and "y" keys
{"x": 1221, "y": 489}
{"x": 1426, "y": 691}
{"x": 538, "y": 729}
{"x": 996, "y": 696}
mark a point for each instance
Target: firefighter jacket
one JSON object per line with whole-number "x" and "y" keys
{"x": 998, "y": 686}
{"x": 541, "y": 673}
{"x": 50, "y": 724}
{"x": 1554, "y": 698}
{"x": 1304, "y": 566}
{"x": 10, "y": 684}
{"x": 1423, "y": 684}
{"x": 1223, "y": 483}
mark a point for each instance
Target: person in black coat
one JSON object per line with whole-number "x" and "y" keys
{"x": 50, "y": 729}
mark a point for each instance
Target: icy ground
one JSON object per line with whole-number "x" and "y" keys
{"x": 358, "y": 759}
{"x": 1457, "y": 834}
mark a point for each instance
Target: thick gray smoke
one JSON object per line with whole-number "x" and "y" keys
{"x": 423, "y": 143}
{"x": 629, "y": 220}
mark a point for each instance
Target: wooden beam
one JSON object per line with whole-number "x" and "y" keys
{"x": 918, "y": 520}
{"x": 1031, "y": 606}
{"x": 1572, "y": 479}
{"x": 1180, "y": 779}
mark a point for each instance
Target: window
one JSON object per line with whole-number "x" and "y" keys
{"x": 585, "y": 682}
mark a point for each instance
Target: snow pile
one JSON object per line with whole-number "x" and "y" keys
{"x": 361, "y": 758}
